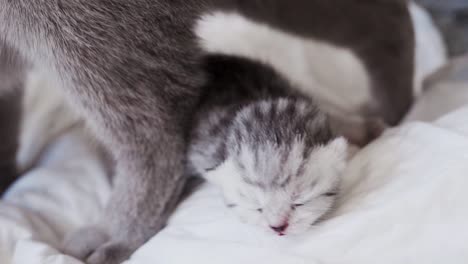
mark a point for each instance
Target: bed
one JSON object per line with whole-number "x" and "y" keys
{"x": 403, "y": 199}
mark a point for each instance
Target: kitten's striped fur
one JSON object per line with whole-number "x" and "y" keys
{"x": 270, "y": 136}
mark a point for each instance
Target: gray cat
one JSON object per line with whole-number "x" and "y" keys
{"x": 133, "y": 69}
{"x": 269, "y": 149}
{"x": 451, "y": 16}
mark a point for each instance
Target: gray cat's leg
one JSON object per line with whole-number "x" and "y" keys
{"x": 11, "y": 83}
{"x": 131, "y": 67}
{"x": 149, "y": 144}
{"x": 144, "y": 124}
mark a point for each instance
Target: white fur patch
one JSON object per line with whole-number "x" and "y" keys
{"x": 311, "y": 64}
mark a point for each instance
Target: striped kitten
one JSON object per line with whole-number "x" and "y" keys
{"x": 269, "y": 149}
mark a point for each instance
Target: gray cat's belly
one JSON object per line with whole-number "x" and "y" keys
{"x": 333, "y": 75}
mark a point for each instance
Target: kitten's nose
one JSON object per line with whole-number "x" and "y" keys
{"x": 280, "y": 229}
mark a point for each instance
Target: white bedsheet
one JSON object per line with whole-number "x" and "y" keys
{"x": 404, "y": 200}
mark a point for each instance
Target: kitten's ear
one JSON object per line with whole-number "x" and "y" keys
{"x": 339, "y": 149}
{"x": 337, "y": 153}
{"x": 331, "y": 159}
{"x": 222, "y": 174}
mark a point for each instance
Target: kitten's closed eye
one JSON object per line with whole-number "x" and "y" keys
{"x": 231, "y": 205}
{"x": 294, "y": 206}
{"x": 330, "y": 194}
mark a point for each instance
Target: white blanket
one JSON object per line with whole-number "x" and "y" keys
{"x": 404, "y": 200}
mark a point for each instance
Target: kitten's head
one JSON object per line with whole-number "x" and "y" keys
{"x": 283, "y": 166}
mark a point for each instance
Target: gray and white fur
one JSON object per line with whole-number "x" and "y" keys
{"x": 451, "y": 16}
{"x": 133, "y": 70}
{"x": 269, "y": 149}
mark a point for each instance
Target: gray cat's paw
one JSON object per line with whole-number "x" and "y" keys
{"x": 93, "y": 245}
{"x": 83, "y": 242}
{"x": 110, "y": 253}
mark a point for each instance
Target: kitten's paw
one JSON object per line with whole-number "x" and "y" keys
{"x": 111, "y": 253}
{"x": 83, "y": 242}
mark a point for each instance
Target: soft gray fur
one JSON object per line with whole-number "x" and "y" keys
{"x": 132, "y": 68}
